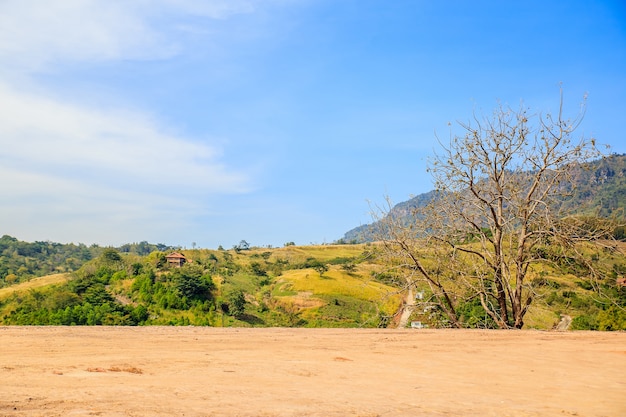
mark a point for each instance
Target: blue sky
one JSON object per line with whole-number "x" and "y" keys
{"x": 213, "y": 121}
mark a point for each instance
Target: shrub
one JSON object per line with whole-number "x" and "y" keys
{"x": 584, "y": 322}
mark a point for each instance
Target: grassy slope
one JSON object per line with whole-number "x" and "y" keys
{"x": 335, "y": 298}
{"x": 35, "y": 283}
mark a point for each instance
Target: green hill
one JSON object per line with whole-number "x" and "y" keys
{"x": 599, "y": 190}
{"x": 316, "y": 286}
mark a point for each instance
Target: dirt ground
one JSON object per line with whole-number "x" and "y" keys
{"x": 193, "y": 371}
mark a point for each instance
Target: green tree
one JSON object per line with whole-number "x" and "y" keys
{"x": 97, "y": 295}
{"x": 111, "y": 256}
{"x": 236, "y": 303}
{"x": 317, "y": 265}
{"x": 192, "y": 283}
{"x": 258, "y": 269}
{"x": 140, "y": 314}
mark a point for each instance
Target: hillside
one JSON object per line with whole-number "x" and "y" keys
{"x": 308, "y": 286}
{"x": 316, "y": 286}
{"x": 599, "y": 190}
{"x": 33, "y": 284}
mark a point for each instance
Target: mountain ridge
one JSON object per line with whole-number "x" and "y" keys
{"x": 599, "y": 190}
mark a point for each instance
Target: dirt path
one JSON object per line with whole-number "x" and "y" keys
{"x": 407, "y": 308}
{"x": 199, "y": 372}
{"x": 564, "y": 323}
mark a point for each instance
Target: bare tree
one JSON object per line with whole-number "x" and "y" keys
{"x": 498, "y": 188}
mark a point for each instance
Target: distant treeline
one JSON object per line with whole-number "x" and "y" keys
{"x": 21, "y": 261}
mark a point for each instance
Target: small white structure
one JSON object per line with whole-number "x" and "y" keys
{"x": 417, "y": 325}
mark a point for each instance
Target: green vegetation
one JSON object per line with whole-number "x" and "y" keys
{"x": 240, "y": 287}
{"x": 284, "y": 287}
{"x": 22, "y": 261}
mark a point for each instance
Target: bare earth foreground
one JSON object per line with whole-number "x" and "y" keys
{"x": 192, "y": 371}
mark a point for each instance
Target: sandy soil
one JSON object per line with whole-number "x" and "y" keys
{"x": 187, "y": 371}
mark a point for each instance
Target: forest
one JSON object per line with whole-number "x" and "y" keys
{"x": 21, "y": 261}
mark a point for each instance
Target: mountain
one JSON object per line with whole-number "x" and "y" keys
{"x": 599, "y": 190}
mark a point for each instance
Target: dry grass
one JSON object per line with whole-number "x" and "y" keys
{"x": 540, "y": 317}
{"x": 304, "y": 300}
{"x": 34, "y": 283}
{"x": 336, "y": 281}
{"x": 322, "y": 253}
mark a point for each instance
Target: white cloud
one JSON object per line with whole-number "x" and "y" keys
{"x": 77, "y": 173}
{"x": 46, "y": 135}
{"x": 72, "y": 173}
{"x": 37, "y": 35}
{"x": 215, "y": 9}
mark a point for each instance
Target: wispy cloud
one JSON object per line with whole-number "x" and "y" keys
{"x": 41, "y": 134}
{"x": 67, "y": 165}
{"x": 109, "y": 171}
{"x": 37, "y": 35}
